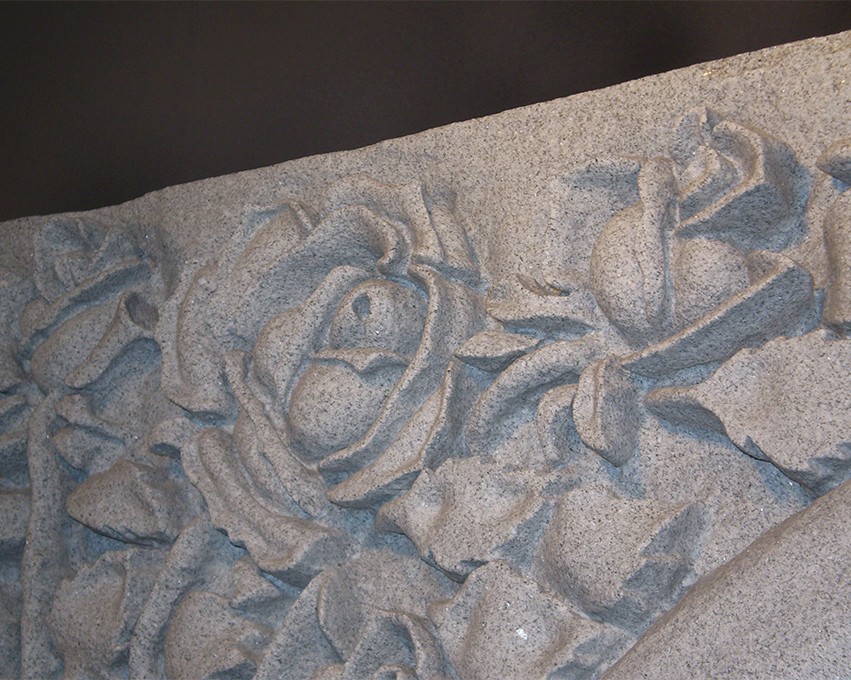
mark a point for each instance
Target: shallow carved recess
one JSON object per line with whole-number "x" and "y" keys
{"x": 510, "y": 398}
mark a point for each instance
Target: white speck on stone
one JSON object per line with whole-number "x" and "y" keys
{"x": 522, "y": 634}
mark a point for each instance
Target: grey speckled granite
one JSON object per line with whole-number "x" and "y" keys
{"x": 561, "y": 392}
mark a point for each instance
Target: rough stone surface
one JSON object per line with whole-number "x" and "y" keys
{"x": 795, "y": 582}
{"x": 559, "y": 393}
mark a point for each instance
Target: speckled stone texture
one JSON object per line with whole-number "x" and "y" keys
{"x": 559, "y": 393}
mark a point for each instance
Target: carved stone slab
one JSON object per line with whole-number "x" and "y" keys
{"x": 557, "y": 393}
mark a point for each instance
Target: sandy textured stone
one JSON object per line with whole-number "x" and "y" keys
{"x": 555, "y": 393}
{"x": 795, "y": 582}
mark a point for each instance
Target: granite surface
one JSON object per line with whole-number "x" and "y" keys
{"x": 563, "y": 392}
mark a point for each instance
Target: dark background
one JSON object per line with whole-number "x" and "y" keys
{"x": 104, "y": 102}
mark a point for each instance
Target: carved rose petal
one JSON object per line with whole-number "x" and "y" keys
{"x": 780, "y": 292}
{"x": 452, "y": 317}
{"x": 94, "y": 613}
{"x": 230, "y": 645}
{"x": 631, "y": 261}
{"x": 762, "y": 209}
{"x": 429, "y": 437}
{"x": 332, "y": 404}
{"x": 379, "y": 314}
{"x": 293, "y": 548}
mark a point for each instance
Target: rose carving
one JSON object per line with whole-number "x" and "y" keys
{"x": 331, "y": 342}
{"x": 87, "y": 372}
{"x": 687, "y": 272}
{"x": 685, "y": 275}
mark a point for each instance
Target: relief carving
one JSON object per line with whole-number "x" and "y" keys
{"x": 340, "y": 448}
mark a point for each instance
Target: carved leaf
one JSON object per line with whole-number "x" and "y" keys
{"x": 607, "y": 411}
{"x": 84, "y": 448}
{"x": 494, "y": 350}
{"x": 757, "y": 399}
{"x": 620, "y": 577}
{"x": 299, "y": 645}
{"x": 350, "y": 595}
{"x": 521, "y": 384}
{"x": 780, "y": 292}
{"x": 469, "y": 512}
{"x": 132, "y": 502}
{"x": 250, "y": 590}
{"x": 501, "y": 624}
{"x": 394, "y": 645}
{"x": 837, "y": 235}
{"x": 368, "y": 614}
{"x": 568, "y": 315}
{"x": 555, "y": 426}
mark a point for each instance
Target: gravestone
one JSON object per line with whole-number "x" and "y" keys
{"x": 561, "y": 392}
